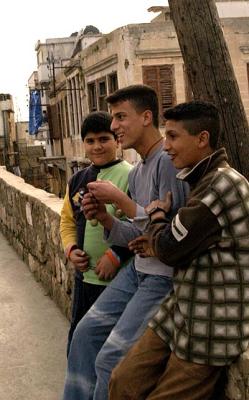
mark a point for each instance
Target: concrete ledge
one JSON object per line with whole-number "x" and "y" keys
{"x": 30, "y": 218}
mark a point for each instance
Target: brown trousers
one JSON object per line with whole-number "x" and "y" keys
{"x": 150, "y": 371}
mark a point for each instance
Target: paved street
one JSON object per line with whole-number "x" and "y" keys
{"x": 33, "y": 334}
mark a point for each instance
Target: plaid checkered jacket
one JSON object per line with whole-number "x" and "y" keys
{"x": 206, "y": 319}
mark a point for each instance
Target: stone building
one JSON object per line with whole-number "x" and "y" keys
{"x": 138, "y": 53}
{"x": 54, "y": 58}
{"x": 7, "y": 130}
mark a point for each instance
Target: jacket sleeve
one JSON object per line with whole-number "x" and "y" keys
{"x": 122, "y": 233}
{"x": 193, "y": 229}
{"x": 167, "y": 182}
{"x": 123, "y": 252}
{"x": 67, "y": 224}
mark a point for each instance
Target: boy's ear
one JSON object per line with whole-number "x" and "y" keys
{"x": 204, "y": 137}
{"x": 148, "y": 117}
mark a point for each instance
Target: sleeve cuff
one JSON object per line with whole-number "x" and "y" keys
{"x": 69, "y": 248}
{"x": 140, "y": 211}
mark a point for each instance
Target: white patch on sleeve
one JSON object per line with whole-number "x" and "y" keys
{"x": 178, "y": 230}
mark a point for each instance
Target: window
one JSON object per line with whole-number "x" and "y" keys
{"x": 53, "y": 122}
{"x": 92, "y": 98}
{"x": 112, "y": 82}
{"x": 59, "y": 113}
{"x": 102, "y": 95}
{"x": 67, "y": 119}
{"x": 70, "y": 106}
{"x": 161, "y": 79}
{"x": 99, "y": 89}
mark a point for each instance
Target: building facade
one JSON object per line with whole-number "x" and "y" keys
{"x": 138, "y": 53}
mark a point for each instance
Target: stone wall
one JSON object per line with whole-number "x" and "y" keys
{"x": 29, "y": 218}
{"x": 238, "y": 379}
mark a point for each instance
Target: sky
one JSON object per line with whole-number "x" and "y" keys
{"x": 23, "y": 23}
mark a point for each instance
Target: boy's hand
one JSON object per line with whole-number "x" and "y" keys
{"x": 164, "y": 204}
{"x": 104, "y": 191}
{"x": 92, "y": 208}
{"x": 79, "y": 259}
{"x": 140, "y": 246}
{"x": 105, "y": 268}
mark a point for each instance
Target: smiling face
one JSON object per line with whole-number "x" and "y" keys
{"x": 101, "y": 148}
{"x": 128, "y": 124}
{"x": 184, "y": 149}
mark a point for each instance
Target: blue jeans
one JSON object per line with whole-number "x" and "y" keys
{"x": 112, "y": 325}
{"x": 84, "y": 296}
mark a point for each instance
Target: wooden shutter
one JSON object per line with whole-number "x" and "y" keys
{"x": 53, "y": 122}
{"x": 92, "y": 96}
{"x": 102, "y": 92}
{"x": 112, "y": 82}
{"x": 161, "y": 79}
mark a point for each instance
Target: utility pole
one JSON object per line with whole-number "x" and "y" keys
{"x": 210, "y": 72}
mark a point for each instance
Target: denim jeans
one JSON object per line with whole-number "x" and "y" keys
{"x": 105, "y": 334}
{"x": 84, "y": 296}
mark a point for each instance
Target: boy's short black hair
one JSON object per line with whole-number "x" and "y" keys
{"x": 96, "y": 122}
{"x": 142, "y": 97}
{"x": 197, "y": 116}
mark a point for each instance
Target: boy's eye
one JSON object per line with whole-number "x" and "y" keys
{"x": 170, "y": 136}
{"x": 119, "y": 117}
{"x": 104, "y": 139}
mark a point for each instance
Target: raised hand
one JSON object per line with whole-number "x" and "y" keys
{"x": 140, "y": 246}
{"x": 163, "y": 204}
{"x": 104, "y": 191}
{"x": 92, "y": 208}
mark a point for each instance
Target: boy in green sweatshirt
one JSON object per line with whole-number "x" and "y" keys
{"x": 95, "y": 262}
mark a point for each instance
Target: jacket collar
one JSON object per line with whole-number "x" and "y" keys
{"x": 214, "y": 161}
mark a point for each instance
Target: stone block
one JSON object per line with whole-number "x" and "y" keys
{"x": 33, "y": 264}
